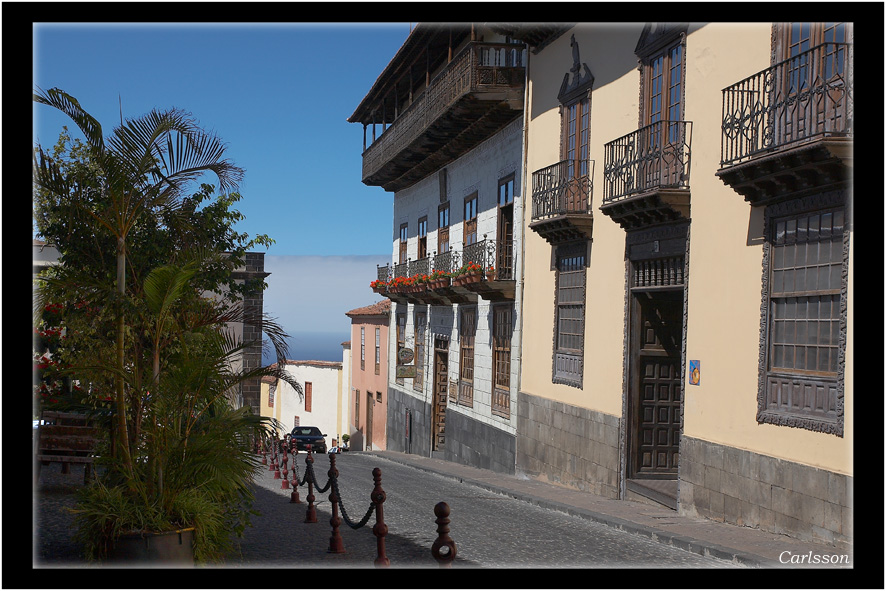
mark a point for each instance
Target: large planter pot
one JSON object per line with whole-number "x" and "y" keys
{"x": 172, "y": 548}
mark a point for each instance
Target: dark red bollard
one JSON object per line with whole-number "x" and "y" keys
{"x": 285, "y": 483}
{"x": 336, "y": 545}
{"x": 444, "y": 548}
{"x": 311, "y": 513}
{"x": 293, "y": 498}
{"x": 380, "y": 529}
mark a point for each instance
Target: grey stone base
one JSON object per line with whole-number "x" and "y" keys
{"x": 569, "y": 445}
{"x": 468, "y": 442}
{"x": 474, "y": 443}
{"x": 745, "y": 488}
{"x": 418, "y": 441}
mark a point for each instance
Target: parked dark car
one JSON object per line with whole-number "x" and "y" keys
{"x": 304, "y": 436}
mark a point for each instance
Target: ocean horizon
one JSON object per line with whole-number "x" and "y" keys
{"x": 312, "y": 346}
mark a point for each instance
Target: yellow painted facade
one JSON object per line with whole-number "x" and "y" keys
{"x": 723, "y": 290}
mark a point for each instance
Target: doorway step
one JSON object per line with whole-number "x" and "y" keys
{"x": 658, "y": 492}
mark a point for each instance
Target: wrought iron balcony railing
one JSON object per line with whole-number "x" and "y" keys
{"x": 559, "y": 190}
{"x": 478, "y": 67}
{"x": 385, "y": 273}
{"x": 804, "y": 97}
{"x": 656, "y": 156}
{"x": 496, "y": 254}
{"x": 445, "y": 261}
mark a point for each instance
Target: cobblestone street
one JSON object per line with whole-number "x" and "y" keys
{"x": 490, "y": 530}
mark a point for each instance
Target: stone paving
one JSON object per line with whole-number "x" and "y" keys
{"x": 281, "y": 539}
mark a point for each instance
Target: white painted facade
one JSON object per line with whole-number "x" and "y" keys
{"x": 477, "y": 171}
{"x": 343, "y": 418}
{"x": 325, "y": 378}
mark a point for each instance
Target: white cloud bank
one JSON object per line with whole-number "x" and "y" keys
{"x": 312, "y": 293}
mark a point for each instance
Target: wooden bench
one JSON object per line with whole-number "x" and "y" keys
{"x": 66, "y": 438}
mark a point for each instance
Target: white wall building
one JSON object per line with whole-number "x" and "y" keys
{"x": 321, "y": 406}
{"x": 450, "y": 109}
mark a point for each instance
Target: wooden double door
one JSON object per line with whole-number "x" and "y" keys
{"x": 655, "y": 397}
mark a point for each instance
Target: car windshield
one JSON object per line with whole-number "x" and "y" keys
{"x": 306, "y": 431}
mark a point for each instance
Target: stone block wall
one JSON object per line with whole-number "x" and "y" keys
{"x": 569, "y": 445}
{"x": 419, "y": 441}
{"x": 746, "y": 488}
{"x": 478, "y": 444}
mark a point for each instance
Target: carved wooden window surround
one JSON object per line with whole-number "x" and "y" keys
{"x": 443, "y": 228}
{"x": 502, "y": 329}
{"x": 403, "y": 239}
{"x": 422, "y": 238}
{"x": 803, "y": 324}
{"x": 569, "y": 313}
{"x": 470, "y": 217}
{"x": 662, "y": 50}
{"x": 575, "y": 131}
{"x": 467, "y": 331}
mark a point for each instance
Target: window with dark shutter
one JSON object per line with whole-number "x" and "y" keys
{"x": 805, "y": 324}
{"x": 502, "y": 327}
{"x": 443, "y": 229}
{"x": 570, "y": 312}
{"x": 466, "y": 332}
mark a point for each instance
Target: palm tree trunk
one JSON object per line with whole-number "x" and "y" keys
{"x": 122, "y": 432}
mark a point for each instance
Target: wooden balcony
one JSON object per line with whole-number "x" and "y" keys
{"x": 789, "y": 129}
{"x": 475, "y": 95}
{"x": 646, "y": 175}
{"x": 561, "y": 202}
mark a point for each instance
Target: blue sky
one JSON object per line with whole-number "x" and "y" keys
{"x": 279, "y": 96}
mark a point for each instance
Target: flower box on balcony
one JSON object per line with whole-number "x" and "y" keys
{"x": 439, "y": 283}
{"x": 467, "y": 278}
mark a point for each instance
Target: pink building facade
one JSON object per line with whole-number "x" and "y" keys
{"x": 369, "y": 376}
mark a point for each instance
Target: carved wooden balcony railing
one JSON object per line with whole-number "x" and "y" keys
{"x": 790, "y": 127}
{"x": 561, "y": 202}
{"x": 475, "y": 95}
{"x": 646, "y": 175}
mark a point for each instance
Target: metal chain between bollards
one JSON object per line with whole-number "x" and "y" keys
{"x": 344, "y": 513}
{"x": 319, "y": 488}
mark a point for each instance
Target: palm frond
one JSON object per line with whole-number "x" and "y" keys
{"x": 61, "y": 100}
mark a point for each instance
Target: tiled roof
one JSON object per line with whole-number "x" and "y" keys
{"x": 377, "y": 309}
{"x": 334, "y": 364}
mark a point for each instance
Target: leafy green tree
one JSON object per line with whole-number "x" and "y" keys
{"x": 138, "y": 253}
{"x": 116, "y": 208}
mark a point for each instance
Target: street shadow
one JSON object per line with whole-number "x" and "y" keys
{"x": 279, "y": 537}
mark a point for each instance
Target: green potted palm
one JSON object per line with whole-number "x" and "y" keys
{"x": 188, "y": 489}
{"x": 140, "y": 252}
